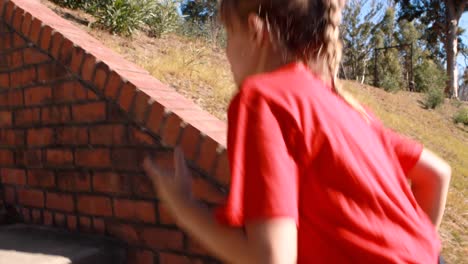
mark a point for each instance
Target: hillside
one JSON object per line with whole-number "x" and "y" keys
{"x": 200, "y": 72}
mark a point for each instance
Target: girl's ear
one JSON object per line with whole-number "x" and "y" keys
{"x": 257, "y": 29}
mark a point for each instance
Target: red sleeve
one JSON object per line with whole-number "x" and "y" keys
{"x": 407, "y": 150}
{"x": 263, "y": 173}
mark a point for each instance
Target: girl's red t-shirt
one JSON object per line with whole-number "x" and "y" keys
{"x": 298, "y": 150}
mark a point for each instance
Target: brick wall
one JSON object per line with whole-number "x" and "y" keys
{"x": 75, "y": 122}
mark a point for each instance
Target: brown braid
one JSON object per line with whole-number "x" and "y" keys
{"x": 307, "y": 30}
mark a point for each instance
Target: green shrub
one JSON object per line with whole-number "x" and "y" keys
{"x": 428, "y": 75}
{"x": 162, "y": 18}
{"x": 434, "y": 97}
{"x": 73, "y": 4}
{"x": 123, "y": 16}
{"x": 461, "y": 116}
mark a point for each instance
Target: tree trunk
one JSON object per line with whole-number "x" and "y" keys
{"x": 452, "y": 45}
{"x": 454, "y": 12}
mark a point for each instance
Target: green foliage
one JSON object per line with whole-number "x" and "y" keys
{"x": 123, "y": 16}
{"x": 163, "y": 18}
{"x": 429, "y": 76}
{"x": 73, "y": 4}
{"x": 434, "y": 97}
{"x": 199, "y": 11}
{"x": 357, "y": 29}
{"x": 210, "y": 31}
{"x": 461, "y": 116}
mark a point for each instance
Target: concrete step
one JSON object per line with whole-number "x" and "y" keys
{"x": 25, "y": 244}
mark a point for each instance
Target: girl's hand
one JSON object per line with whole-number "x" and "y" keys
{"x": 172, "y": 185}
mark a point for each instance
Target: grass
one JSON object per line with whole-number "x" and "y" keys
{"x": 200, "y": 72}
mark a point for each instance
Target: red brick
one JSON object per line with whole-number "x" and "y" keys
{"x": 140, "y": 256}
{"x": 16, "y": 59}
{"x": 127, "y": 158}
{"x": 77, "y": 56}
{"x": 8, "y": 13}
{"x": 205, "y": 191}
{"x": 56, "y": 114}
{"x": 29, "y": 157}
{"x": 116, "y": 115}
{"x": 33, "y": 56}
{"x": 124, "y": 232}
{"x": 37, "y": 95}
{"x": 72, "y": 135}
{"x": 143, "y": 187}
{"x": 109, "y": 182}
{"x": 10, "y": 194}
{"x": 208, "y": 153}
{"x": 26, "y": 213}
{"x": 24, "y": 77}
{"x": 65, "y": 56}
{"x": 155, "y": 117}
{"x": 94, "y": 205}
{"x": 35, "y": 31}
{"x": 141, "y": 138}
{"x": 4, "y": 80}
{"x": 165, "y": 216}
{"x": 168, "y": 258}
{"x": 100, "y": 77}
{"x": 11, "y": 137}
{"x": 91, "y": 112}
{"x": 33, "y": 198}
{"x": 40, "y": 137}
{"x": 127, "y": 93}
{"x": 135, "y": 210}
{"x": 195, "y": 247}
{"x": 70, "y": 91}
{"x": 141, "y": 107}
{"x": 48, "y": 218}
{"x": 190, "y": 141}
{"x": 59, "y": 220}
{"x": 52, "y": 71}
{"x": 41, "y": 178}
{"x": 17, "y": 18}
{"x": 107, "y": 135}
{"x": 5, "y": 118}
{"x": 45, "y": 39}
{"x": 58, "y": 201}
{"x": 171, "y": 130}
{"x": 6, "y": 157}
{"x": 57, "y": 39}
{"x": 113, "y": 85}
{"x": 223, "y": 172}
{"x": 74, "y": 181}
{"x": 99, "y": 225}
{"x": 36, "y": 216}
{"x": 85, "y": 224}
{"x": 88, "y": 67}
{"x": 160, "y": 238}
{"x": 12, "y": 98}
{"x": 13, "y": 176}
{"x": 72, "y": 222}
{"x": 62, "y": 157}
{"x": 98, "y": 157}
{"x": 26, "y": 26}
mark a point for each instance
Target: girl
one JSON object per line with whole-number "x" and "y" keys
{"x": 315, "y": 177}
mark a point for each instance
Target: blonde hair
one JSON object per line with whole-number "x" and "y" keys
{"x": 308, "y": 30}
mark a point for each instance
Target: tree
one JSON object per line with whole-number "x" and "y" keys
{"x": 357, "y": 29}
{"x": 441, "y": 19}
{"x": 199, "y": 10}
{"x": 389, "y": 72}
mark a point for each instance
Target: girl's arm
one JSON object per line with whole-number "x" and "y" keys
{"x": 430, "y": 179}
{"x": 267, "y": 241}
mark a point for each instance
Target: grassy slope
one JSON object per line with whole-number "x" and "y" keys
{"x": 200, "y": 72}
